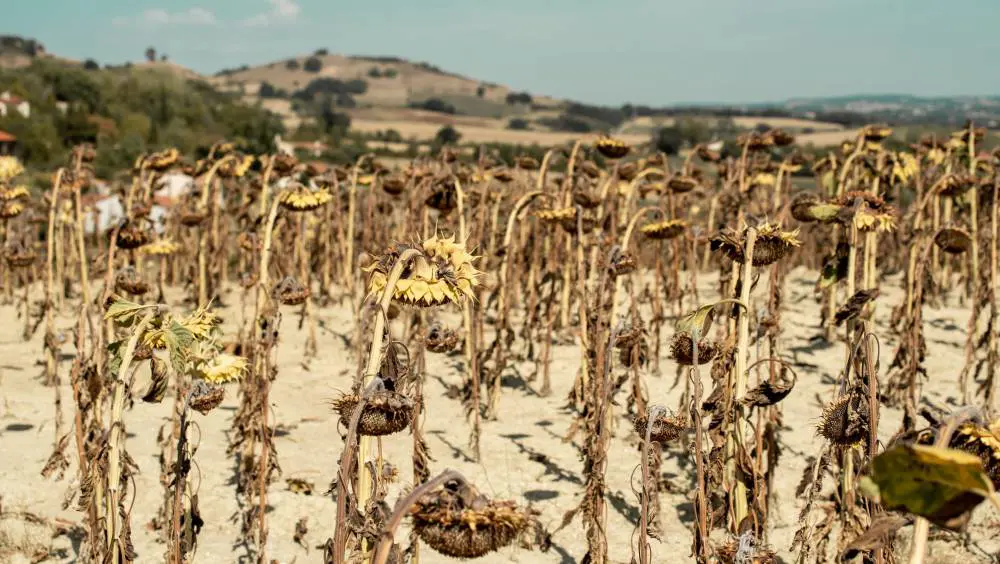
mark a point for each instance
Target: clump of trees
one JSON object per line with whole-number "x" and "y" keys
{"x": 126, "y": 112}
{"x": 435, "y": 105}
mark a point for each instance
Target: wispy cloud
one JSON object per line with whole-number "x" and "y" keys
{"x": 155, "y": 17}
{"x": 282, "y": 11}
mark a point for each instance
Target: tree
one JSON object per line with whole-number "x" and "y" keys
{"x": 435, "y": 105}
{"x": 163, "y": 58}
{"x": 374, "y": 72}
{"x": 292, "y": 64}
{"x": 321, "y": 52}
{"x": 91, "y": 64}
{"x": 518, "y": 124}
{"x": 514, "y": 98}
{"x": 333, "y": 122}
{"x": 481, "y": 91}
{"x": 447, "y": 135}
{"x": 267, "y": 90}
{"x": 668, "y": 140}
{"x": 150, "y": 54}
{"x": 313, "y": 64}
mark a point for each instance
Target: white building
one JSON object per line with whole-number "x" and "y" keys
{"x": 10, "y": 103}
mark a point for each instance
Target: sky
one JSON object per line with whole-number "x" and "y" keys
{"x": 652, "y": 52}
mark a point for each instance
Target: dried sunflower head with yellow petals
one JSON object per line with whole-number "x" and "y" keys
{"x": 11, "y": 209}
{"x": 162, "y": 160}
{"x": 9, "y": 168}
{"x": 611, "y": 147}
{"x": 301, "y": 198}
{"x": 772, "y": 244}
{"x": 9, "y": 194}
{"x": 442, "y": 272}
{"x": 160, "y": 248}
{"x": 222, "y": 368}
{"x": 666, "y": 229}
{"x": 234, "y": 165}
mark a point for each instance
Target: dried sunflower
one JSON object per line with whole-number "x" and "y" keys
{"x": 131, "y": 236}
{"x": 845, "y": 420}
{"x": 628, "y": 171}
{"x": 457, "y": 520}
{"x": 290, "y": 292}
{"x": 205, "y": 396}
{"x": 162, "y": 160}
{"x": 666, "y": 426}
{"x": 234, "y": 165}
{"x": 667, "y": 229}
{"x": 953, "y": 241}
{"x": 681, "y": 184}
{"x": 772, "y": 244}
{"x": 160, "y": 248}
{"x": 984, "y": 442}
{"x": 8, "y": 194}
{"x": 11, "y": 209}
{"x": 129, "y": 281}
{"x": 301, "y": 198}
{"x": 19, "y": 255}
{"x": 385, "y": 412}
{"x": 590, "y": 169}
{"x": 876, "y": 132}
{"x": 9, "y": 168}
{"x": 526, "y": 163}
{"x": 222, "y": 368}
{"x": 682, "y": 350}
{"x": 780, "y": 137}
{"x": 440, "y": 339}
{"x": 611, "y": 147}
{"x": 443, "y": 196}
{"x": 394, "y": 184}
{"x": 442, "y": 272}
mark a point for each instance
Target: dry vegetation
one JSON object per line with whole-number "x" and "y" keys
{"x": 639, "y": 331}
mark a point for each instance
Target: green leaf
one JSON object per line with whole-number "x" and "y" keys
{"x": 123, "y": 311}
{"x": 179, "y": 340}
{"x": 824, "y": 213}
{"x": 939, "y": 484}
{"x": 115, "y": 351}
{"x": 699, "y": 322}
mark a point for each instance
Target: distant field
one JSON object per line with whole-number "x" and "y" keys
{"x": 480, "y": 133}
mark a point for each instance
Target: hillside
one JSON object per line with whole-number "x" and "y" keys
{"x": 412, "y": 100}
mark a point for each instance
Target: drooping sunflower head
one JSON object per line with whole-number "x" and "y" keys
{"x": 772, "y": 244}
{"x": 162, "y": 160}
{"x": 611, "y": 147}
{"x": 234, "y": 165}
{"x": 300, "y": 198}
{"x": 222, "y": 368}
{"x": 442, "y": 272}
{"x": 160, "y": 248}
{"x": 14, "y": 193}
{"x": 876, "y": 132}
{"x": 10, "y": 209}
{"x": 953, "y": 240}
{"x": 667, "y": 229}
{"x": 9, "y": 168}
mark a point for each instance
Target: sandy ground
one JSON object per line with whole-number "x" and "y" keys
{"x": 523, "y": 455}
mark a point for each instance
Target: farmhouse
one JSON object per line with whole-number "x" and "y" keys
{"x": 11, "y": 103}
{"x": 7, "y": 143}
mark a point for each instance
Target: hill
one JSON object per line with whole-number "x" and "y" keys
{"x": 399, "y": 99}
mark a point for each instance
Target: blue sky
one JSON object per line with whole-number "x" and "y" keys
{"x": 641, "y": 51}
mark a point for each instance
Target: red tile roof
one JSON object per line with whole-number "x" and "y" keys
{"x": 7, "y": 137}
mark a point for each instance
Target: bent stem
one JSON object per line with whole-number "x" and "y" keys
{"x": 375, "y": 362}
{"x": 402, "y": 508}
